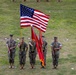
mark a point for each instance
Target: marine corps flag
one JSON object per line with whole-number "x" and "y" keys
{"x": 38, "y": 45}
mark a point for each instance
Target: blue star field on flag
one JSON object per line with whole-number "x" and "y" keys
{"x": 26, "y": 11}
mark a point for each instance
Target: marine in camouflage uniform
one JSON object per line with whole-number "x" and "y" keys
{"x": 32, "y": 53}
{"x": 11, "y": 45}
{"x": 22, "y": 52}
{"x": 55, "y": 46}
{"x": 44, "y": 48}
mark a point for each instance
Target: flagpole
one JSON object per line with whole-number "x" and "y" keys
{"x": 40, "y": 34}
{"x": 31, "y": 31}
{"x": 20, "y": 32}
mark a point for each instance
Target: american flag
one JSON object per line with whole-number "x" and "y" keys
{"x": 36, "y": 18}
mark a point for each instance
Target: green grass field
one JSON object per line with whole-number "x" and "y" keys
{"x": 62, "y": 24}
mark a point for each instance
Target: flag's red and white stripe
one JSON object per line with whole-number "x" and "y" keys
{"x": 39, "y": 20}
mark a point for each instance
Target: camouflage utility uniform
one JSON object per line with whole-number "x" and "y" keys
{"x": 11, "y": 52}
{"x": 22, "y": 53}
{"x": 55, "y": 53}
{"x": 32, "y": 52}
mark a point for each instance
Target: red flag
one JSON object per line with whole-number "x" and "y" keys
{"x": 40, "y": 38}
{"x": 39, "y": 47}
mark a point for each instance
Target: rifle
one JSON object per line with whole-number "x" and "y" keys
{"x": 54, "y": 48}
{"x": 9, "y": 49}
